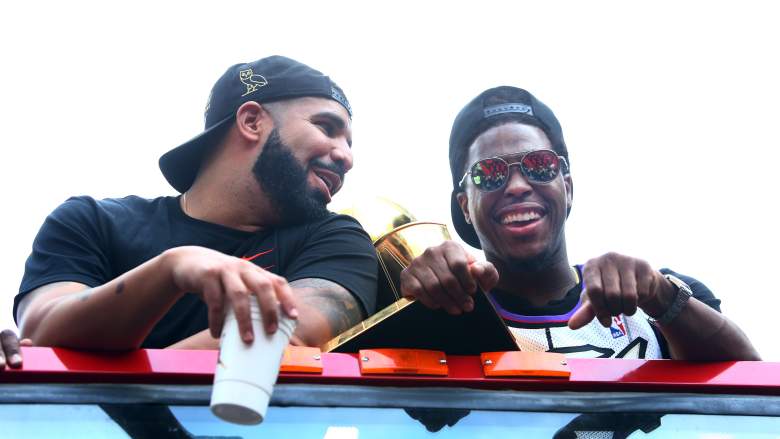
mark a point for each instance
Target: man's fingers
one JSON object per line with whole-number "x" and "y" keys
{"x": 451, "y": 278}
{"x": 602, "y": 290}
{"x": 432, "y": 288}
{"x": 612, "y": 297}
{"x": 605, "y": 319}
{"x": 628, "y": 288}
{"x": 264, "y": 288}
{"x": 456, "y": 282}
{"x": 582, "y": 316}
{"x": 10, "y": 353}
{"x": 591, "y": 277}
{"x": 437, "y": 292}
{"x": 595, "y": 294}
{"x": 485, "y": 273}
{"x": 412, "y": 288}
{"x": 212, "y": 295}
{"x": 238, "y": 293}
{"x": 645, "y": 276}
{"x": 286, "y": 297}
{"x": 458, "y": 263}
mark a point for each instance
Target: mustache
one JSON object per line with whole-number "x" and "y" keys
{"x": 336, "y": 168}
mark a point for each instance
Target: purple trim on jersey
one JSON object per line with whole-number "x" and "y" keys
{"x": 520, "y": 318}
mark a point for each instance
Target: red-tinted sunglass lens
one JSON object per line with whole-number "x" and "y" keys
{"x": 489, "y": 174}
{"x": 541, "y": 166}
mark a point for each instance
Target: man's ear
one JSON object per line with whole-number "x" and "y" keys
{"x": 463, "y": 202}
{"x": 569, "y": 185}
{"x": 253, "y": 121}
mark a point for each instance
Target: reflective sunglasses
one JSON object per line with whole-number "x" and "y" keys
{"x": 539, "y": 167}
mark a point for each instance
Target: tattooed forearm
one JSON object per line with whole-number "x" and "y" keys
{"x": 332, "y": 301}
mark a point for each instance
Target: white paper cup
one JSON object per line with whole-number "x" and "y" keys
{"x": 245, "y": 374}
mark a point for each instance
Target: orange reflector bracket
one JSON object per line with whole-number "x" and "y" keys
{"x": 403, "y": 362}
{"x": 525, "y": 364}
{"x": 301, "y": 359}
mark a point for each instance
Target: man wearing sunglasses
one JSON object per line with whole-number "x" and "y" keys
{"x": 250, "y": 223}
{"x": 512, "y": 193}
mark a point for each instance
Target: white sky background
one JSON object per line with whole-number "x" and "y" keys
{"x": 669, "y": 110}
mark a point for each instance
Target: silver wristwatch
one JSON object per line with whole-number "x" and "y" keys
{"x": 684, "y": 294}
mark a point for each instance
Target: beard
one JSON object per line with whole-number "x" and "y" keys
{"x": 285, "y": 181}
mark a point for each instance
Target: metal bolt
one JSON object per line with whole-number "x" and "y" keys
{"x": 365, "y": 358}
{"x": 488, "y": 362}
{"x": 317, "y": 357}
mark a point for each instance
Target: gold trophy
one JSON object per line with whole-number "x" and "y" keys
{"x": 398, "y": 238}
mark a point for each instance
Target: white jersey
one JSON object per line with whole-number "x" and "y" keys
{"x": 628, "y": 337}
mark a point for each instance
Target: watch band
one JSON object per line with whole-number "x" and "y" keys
{"x": 684, "y": 294}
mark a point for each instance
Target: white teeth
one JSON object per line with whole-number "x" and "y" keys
{"x": 520, "y": 217}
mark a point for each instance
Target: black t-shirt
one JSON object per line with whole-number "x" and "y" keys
{"x": 93, "y": 241}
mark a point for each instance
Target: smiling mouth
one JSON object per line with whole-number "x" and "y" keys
{"x": 520, "y": 218}
{"x": 331, "y": 180}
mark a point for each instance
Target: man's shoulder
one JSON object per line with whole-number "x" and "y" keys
{"x": 133, "y": 202}
{"x": 341, "y": 220}
{"x": 332, "y": 222}
{"x": 334, "y": 232}
{"x": 112, "y": 206}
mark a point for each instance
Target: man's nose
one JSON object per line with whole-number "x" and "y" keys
{"x": 342, "y": 153}
{"x": 516, "y": 184}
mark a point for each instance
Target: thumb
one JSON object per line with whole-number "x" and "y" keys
{"x": 582, "y": 316}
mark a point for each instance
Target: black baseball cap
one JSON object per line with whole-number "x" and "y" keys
{"x": 270, "y": 79}
{"x": 493, "y": 107}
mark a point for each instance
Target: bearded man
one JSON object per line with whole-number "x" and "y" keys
{"x": 251, "y": 221}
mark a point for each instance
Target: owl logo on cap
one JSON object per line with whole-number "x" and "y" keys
{"x": 252, "y": 81}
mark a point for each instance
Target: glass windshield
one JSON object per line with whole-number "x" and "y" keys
{"x": 154, "y": 421}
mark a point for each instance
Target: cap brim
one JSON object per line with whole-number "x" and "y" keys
{"x": 465, "y": 230}
{"x": 180, "y": 165}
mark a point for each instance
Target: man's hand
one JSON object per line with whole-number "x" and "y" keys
{"x": 9, "y": 349}
{"x": 326, "y": 310}
{"x": 617, "y": 284}
{"x": 446, "y": 276}
{"x": 222, "y": 280}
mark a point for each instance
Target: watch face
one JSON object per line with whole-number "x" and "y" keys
{"x": 682, "y": 286}
{"x": 680, "y": 300}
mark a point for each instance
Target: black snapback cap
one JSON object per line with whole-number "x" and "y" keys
{"x": 493, "y": 107}
{"x": 270, "y": 79}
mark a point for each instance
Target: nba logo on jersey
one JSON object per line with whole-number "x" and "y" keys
{"x": 618, "y": 329}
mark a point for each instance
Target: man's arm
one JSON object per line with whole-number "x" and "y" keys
{"x": 326, "y": 310}
{"x": 700, "y": 333}
{"x": 121, "y": 313}
{"x": 617, "y": 284}
{"x": 329, "y": 309}
{"x": 114, "y": 316}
